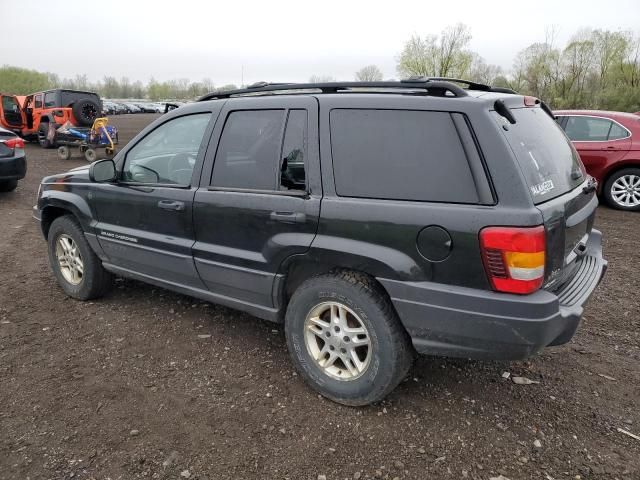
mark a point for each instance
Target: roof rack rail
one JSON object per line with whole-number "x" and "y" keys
{"x": 428, "y": 86}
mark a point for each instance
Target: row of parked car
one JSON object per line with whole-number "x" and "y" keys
{"x": 110, "y": 107}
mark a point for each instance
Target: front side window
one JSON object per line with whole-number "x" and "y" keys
{"x": 400, "y": 155}
{"x": 249, "y": 150}
{"x": 38, "y": 103}
{"x": 588, "y": 129}
{"x": 168, "y": 154}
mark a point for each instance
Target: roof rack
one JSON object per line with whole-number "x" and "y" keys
{"x": 418, "y": 86}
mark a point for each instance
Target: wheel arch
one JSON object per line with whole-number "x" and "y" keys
{"x": 55, "y": 207}
{"x": 627, "y": 163}
{"x": 299, "y": 268}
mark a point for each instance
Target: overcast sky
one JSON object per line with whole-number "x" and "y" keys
{"x": 273, "y": 41}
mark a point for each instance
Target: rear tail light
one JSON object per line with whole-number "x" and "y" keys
{"x": 514, "y": 257}
{"x": 14, "y": 143}
{"x": 530, "y": 101}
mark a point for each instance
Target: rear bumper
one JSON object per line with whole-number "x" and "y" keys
{"x": 13, "y": 168}
{"x": 465, "y": 322}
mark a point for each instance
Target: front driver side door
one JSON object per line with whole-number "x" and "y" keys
{"x": 145, "y": 219}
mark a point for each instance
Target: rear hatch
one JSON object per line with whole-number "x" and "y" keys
{"x": 559, "y": 187}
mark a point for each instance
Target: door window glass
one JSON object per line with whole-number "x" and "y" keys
{"x": 38, "y": 103}
{"x": 588, "y": 129}
{"x": 168, "y": 154}
{"x": 294, "y": 147}
{"x": 249, "y": 148}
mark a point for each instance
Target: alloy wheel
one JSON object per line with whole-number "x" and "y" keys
{"x": 338, "y": 341}
{"x": 625, "y": 191}
{"x": 69, "y": 259}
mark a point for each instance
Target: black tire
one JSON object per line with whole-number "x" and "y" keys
{"x": 95, "y": 281}
{"x": 391, "y": 350}
{"x": 8, "y": 185}
{"x": 85, "y": 112}
{"x": 43, "y": 132}
{"x": 609, "y": 195}
{"x": 64, "y": 152}
{"x": 90, "y": 155}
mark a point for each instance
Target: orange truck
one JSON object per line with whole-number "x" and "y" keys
{"x": 36, "y": 116}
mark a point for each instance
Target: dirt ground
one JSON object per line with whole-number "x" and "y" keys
{"x": 125, "y": 387}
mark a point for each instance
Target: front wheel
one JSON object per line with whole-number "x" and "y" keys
{"x": 43, "y": 136}
{"x": 77, "y": 268}
{"x": 346, "y": 339}
{"x": 622, "y": 189}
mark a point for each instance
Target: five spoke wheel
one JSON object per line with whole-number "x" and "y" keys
{"x": 338, "y": 340}
{"x": 69, "y": 259}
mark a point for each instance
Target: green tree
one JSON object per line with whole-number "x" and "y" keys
{"x": 21, "y": 81}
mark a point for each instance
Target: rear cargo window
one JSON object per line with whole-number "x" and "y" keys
{"x": 549, "y": 161}
{"x": 400, "y": 155}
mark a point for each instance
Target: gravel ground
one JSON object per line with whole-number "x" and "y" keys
{"x": 149, "y": 384}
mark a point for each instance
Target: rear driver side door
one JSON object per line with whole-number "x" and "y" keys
{"x": 259, "y": 199}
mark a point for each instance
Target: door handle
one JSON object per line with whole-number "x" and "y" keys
{"x": 610, "y": 147}
{"x": 172, "y": 205}
{"x": 288, "y": 217}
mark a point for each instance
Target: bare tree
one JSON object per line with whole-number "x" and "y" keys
{"x": 321, "y": 79}
{"x": 370, "y": 73}
{"x": 443, "y": 56}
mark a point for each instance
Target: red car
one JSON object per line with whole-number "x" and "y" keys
{"x": 609, "y": 146}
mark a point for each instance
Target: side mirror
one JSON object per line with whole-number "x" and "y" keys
{"x": 103, "y": 171}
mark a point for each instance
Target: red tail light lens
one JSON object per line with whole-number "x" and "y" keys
{"x": 530, "y": 101}
{"x": 15, "y": 143}
{"x": 514, "y": 258}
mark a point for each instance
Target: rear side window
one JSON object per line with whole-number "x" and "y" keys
{"x": 617, "y": 132}
{"x": 49, "y": 99}
{"x": 548, "y": 160}
{"x": 249, "y": 150}
{"x": 401, "y": 155}
{"x": 294, "y": 148}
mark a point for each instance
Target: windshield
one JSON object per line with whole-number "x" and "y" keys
{"x": 549, "y": 161}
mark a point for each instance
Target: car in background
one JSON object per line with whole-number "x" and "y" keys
{"x": 35, "y": 116}
{"x": 13, "y": 163}
{"x": 132, "y": 108}
{"x": 109, "y": 108}
{"x": 146, "y": 108}
{"x": 609, "y": 146}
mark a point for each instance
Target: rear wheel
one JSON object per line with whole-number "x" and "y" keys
{"x": 77, "y": 268}
{"x": 622, "y": 189}
{"x": 8, "y": 185}
{"x": 346, "y": 339}
{"x": 43, "y": 133}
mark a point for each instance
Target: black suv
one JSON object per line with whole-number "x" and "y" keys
{"x": 376, "y": 220}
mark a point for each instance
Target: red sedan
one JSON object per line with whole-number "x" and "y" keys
{"x": 609, "y": 146}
